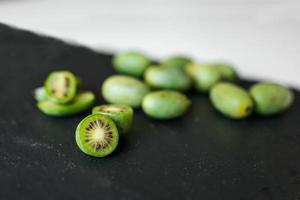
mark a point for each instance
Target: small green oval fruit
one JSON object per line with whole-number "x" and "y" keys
{"x": 204, "y": 76}
{"x": 271, "y": 98}
{"x": 231, "y": 100}
{"x": 131, "y": 63}
{"x": 227, "y": 71}
{"x": 81, "y": 102}
{"x": 165, "y": 104}
{"x": 121, "y": 89}
{"x": 121, "y": 114}
{"x": 176, "y": 62}
{"x": 167, "y": 78}
{"x": 61, "y": 86}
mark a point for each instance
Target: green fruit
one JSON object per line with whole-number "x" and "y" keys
{"x": 80, "y": 103}
{"x": 205, "y": 76}
{"x": 120, "y": 89}
{"x": 121, "y": 114}
{"x": 176, "y": 62}
{"x": 61, "y": 86}
{"x": 228, "y": 73}
{"x": 167, "y": 78}
{"x": 39, "y": 94}
{"x": 271, "y": 98}
{"x": 165, "y": 104}
{"x": 97, "y": 135}
{"x": 231, "y": 100}
{"x": 131, "y": 63}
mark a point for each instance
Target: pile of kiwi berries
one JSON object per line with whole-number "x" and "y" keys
{"x": 159, "y": 89}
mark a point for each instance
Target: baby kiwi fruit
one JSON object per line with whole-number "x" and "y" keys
{"x": 80, "y": 103}
{"x": 97, "y": 135}
{"x": 271, "y": 98}
{"x": 231, "y": 100}
{"x": 131, "y": 63}
{"x": 121, "y": 89}
{"x": 121, "y": 114}
{"x": 61, "y": 86}
{"x": 167, "y": 78}
{"x": 165, "y": 104}
{"x": 204, "y": 75}
{"x": 227, "y": 71}
{"x": 178, "y": 62}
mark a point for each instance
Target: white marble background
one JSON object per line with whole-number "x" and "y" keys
{"x": 261, "y": 37}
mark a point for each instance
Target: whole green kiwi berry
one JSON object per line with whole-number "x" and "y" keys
{"x": 231, "y": 100}
{"x": 176, "y": 62}
{"x": 165, "y": 104}
{"x": 271, "y": 98}
{"x": 227, "y": 71}
{"x": 97, "y": 135}
{"x": 61, "y": 86}
{"x": 121, "y": 89}
{"x": 81, "y": 102}
{"x": 131, "y": 63}
{"x": 205, "y": 76}
{"x": 121, "y": 114}
{"x": 167, "y": 78}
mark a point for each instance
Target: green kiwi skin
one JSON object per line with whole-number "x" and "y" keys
{"x": 81, "y": 102}
{"x": 121, "y": 89}
{"x": 165, "y": 104}
{"x": 231, "y": 100}
{"x": 271, "y": 98}
{"x": 131, "y": 63}
{"x": 227, "y": 71}
{"x": 123, "y": 119}
{"x": 72, "y": 89}
{"x": 171, "y": 78}
{"x": 84, "y": 147}
{"x": 204, "y": 76}
{"x": 178, "y": 62}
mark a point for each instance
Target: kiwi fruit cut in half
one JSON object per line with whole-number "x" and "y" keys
{"x": 61, "y": 86}
{"x": 97, "y": 135}
{"x": 121, "y": 114}
{"x": 81, "y": 102}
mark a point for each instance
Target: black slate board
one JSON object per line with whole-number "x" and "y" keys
{"x": 200, "y": 156}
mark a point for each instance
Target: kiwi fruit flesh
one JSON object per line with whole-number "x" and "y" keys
{"x": 61, "y": 86}
{"x": 81, "y": 102}
{"x": 97, "y": 135}
{"x": 121, "y": 114}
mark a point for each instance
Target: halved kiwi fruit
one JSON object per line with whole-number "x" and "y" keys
{"x": 81, "y": 102}
{"x": 61, "y": 86}
{"x": 121, "y": 114}
{"x": 97, "y": 135}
